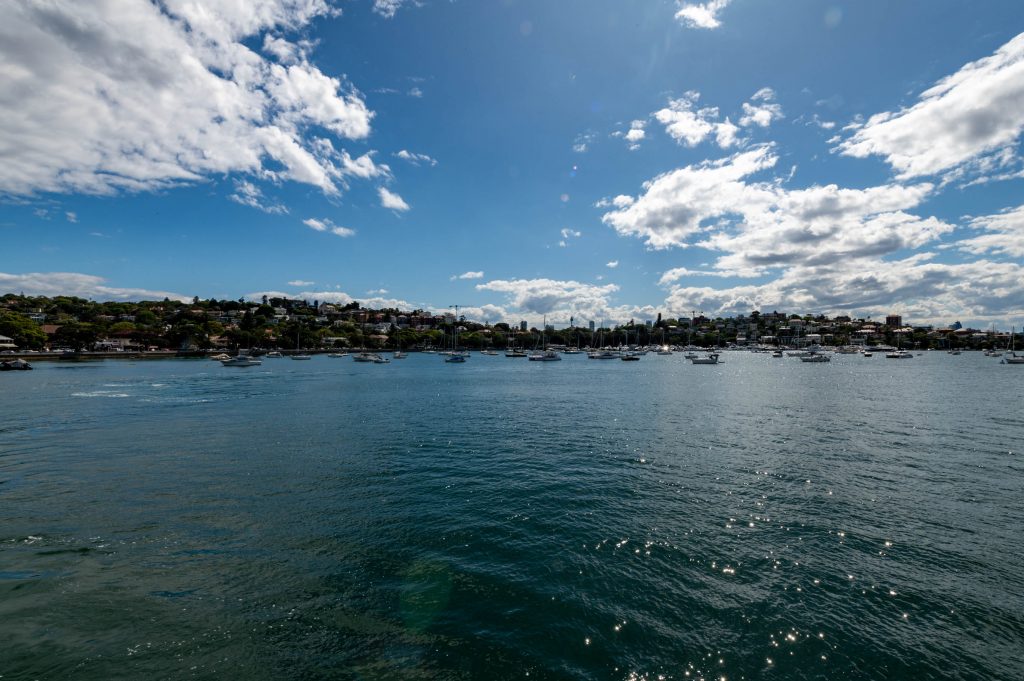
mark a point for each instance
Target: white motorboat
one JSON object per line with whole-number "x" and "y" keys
{"x": 274, "y": 354}
{"x": 899, "y": 354}
{"x": 545, "y": 356}
{"x": 366, "y": 357}
{"x": 710, "y": 359}
{"x": 337, "y": 354}
{"x": 816, "y": 357}
{"x": 301, "y": 356}
{"x": 241, "y": 361}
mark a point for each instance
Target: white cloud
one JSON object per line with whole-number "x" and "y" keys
{"x": 568, "y": 235}
{"x": 387, "y": 8}
{"x": 674, "y": 206}
{"x": 77, "y": 284}
{"x": 761, "y": 110}
{"x": 248, "y": 194}
{"x": 105, "y": 96}
{"x": 391, "y": 200}
{"x": 612, "y": 264}
{"x": 300, "y": 282}
{"x": 559, "y": 301}
{"x": 325, "y": 225}
{"x": 919, "y": 289}
{"x": 1003, "y": 234}
{"x": 71, "y": 216}
{"x": 634, "y": 135}
{"x": 415, "y": 92}
{"x": 583, "y": 141}
{"x": 977, "y": 111}
{"x": 415, "y": 159}
{"x": 682, "y": 123}
{"x": 700, "y": 14}
{"x": 468, "y": 275}
{"x": 823, "y": 248}
{"x": 690, "y": 126}
{"x": 377, "y": 292}
{"x": 542, "y": 296}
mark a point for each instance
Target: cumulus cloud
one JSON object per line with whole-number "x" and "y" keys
{"x": 689, "y": 125}
{"x": 761, "y": 110}
{"x": 612, "y": 264}
{"x": 106, "y": 96}
{"x": 634, "y": 135}
{"x": 583, "y": 141}
{"x": 559, "y": 301}
{"x": 977, "y": 111}
{"x": 300, "y": 282}
{"x": 700, "y": 14}
{"x": 248, "y": 194}
{"x": 824, "y": 247}
{"x": 468, "y": 275}
{"x": 325, "y": 225}
{"x": 675, "y": 205}
{"x": 415, "y": 159}
{"x": 77, "y": 284}
{"x": 919, "y": 289}
{"x": 1003, "y": 234}
{"x": 542, "y": 296}
{"x": 391, "y": 200}
{"x": 387, "y": 8}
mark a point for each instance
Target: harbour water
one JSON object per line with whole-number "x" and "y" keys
{"x": 759, "y": 519}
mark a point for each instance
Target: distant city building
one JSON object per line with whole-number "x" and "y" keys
{"x": 894, "y": 320}
{"x": 956, "y": 326}
{"x": 522, "y": 325}
{"x": 592, "y": 326}
{"x": 649, "y": 323}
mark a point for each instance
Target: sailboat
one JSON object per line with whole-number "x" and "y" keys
{"x": 545, "y": 355}
{"x": 899, "y": 353}
{"x": 298, "y": 354}
{"x": 456, "y": 357}
{"x": 1013, "y": 358}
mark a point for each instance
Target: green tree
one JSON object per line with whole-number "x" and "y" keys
{"x": 75, "y": 335}
{"x": 24, "y": 332}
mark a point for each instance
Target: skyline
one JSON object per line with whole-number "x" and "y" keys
{"x": 523, "y": 160}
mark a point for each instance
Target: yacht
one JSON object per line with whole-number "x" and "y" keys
{"x": 274, "y": 354}
{"x": 899, "y": 354}
{"x": 516, "y": 353}
{"x": 301, "y": 356}
{"x": 816, "y": 357}
{"x": 545, "y": 356}
{"x": 337, "y": 354}
{"x": 603, "y": 354}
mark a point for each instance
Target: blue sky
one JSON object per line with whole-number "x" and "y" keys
{"x": 596, "y": 159}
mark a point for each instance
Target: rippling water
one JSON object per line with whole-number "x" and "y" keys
{"x": 764, "y": 518}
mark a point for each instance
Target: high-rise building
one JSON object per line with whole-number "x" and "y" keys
{"x": 591, "y": 326}
{"x": 894, "y": 320}
{"x": 522, "y": 325}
